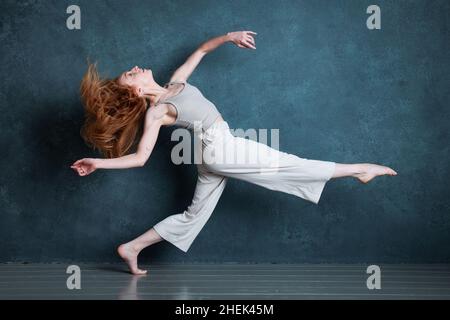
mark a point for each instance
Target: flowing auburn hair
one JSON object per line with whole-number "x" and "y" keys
{"x": 114, "y": 114}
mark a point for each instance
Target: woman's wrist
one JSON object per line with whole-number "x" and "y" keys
{"x": 214, "y": 43}
{"x": 98, "y": 163}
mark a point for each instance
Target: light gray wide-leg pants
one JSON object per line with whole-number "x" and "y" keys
{"x": 225, "y": 155}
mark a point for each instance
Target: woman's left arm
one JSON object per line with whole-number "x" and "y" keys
{"x": 242, "y": 39}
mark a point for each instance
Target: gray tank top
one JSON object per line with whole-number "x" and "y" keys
{"x": 192, "y": 107}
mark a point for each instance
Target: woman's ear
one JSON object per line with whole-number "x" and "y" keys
{"x": 139, "y": 91}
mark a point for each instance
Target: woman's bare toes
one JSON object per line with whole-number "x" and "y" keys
{"x": 139, "y": 272}
{"x": 392, "y": 172}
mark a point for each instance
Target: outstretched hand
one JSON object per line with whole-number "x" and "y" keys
{"x": 84, "y": 166}
{"x": 243, "y": 39}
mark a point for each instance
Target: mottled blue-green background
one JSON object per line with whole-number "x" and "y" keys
{"x": 336, "y": 90}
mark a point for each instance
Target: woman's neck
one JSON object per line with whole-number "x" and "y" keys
{"x": 156, "y": 94}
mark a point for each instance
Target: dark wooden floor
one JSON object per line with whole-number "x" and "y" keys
{"x": 225, "y": 281}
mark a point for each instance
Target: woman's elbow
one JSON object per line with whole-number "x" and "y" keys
{"x": 140, "y": 161}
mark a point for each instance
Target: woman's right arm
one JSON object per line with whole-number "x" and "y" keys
{"x": 154, "y": 119}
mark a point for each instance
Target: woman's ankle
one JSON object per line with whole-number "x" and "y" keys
{"x": 357, "y": 169}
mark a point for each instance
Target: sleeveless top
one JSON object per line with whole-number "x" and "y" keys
{"x": 192, "y": 107}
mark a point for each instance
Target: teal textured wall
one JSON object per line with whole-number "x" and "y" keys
{"x": 336, "y": 90}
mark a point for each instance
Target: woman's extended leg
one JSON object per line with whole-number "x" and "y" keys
{"x": 260, "y": 164}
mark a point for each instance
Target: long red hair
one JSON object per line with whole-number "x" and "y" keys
{"x": 114, "y": 114}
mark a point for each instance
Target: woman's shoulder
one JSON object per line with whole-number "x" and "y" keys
{"x": 162, "y": 108}
{"x": 163, "y": 111}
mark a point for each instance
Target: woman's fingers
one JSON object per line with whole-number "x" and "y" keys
{"x": 82, "y": 171}
{"x": 78, "y": 161}
{"x": 80, "y": 168}
{"x": 246, "y": 43}
{"x": 243, "y": 39}
{"x": 250, "y": 39}
{"x": 243, "y": 44}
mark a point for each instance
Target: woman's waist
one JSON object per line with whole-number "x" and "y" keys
{"x": 217, "y": 131}
{"x": 218, "y": 119}
{"x": 199, "y": 125}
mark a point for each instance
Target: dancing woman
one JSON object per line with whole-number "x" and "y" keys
{"x": 131, "y": 106}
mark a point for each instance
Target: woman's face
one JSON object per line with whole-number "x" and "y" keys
{"x": 137, "y": 78}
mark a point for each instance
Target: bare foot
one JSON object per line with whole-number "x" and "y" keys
{"x": 369, "y": 171}
{"x": 129, "y": 254}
